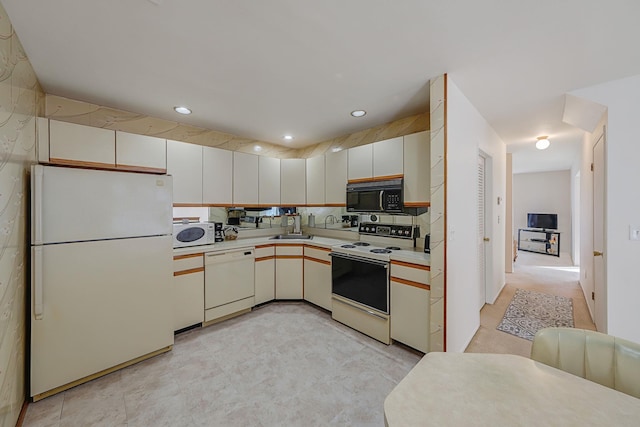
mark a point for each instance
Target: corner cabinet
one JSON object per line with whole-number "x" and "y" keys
{"x": 417, "y": 169}
{"x": 293, "y": 182}
{"x": 410, "y": 304}
{"x": 289, "y": 271}
{"x": 184, "y": 162}
{"x": 317, "y": 276}
{"x": 188, "y": 290}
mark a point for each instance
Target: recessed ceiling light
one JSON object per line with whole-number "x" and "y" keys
{"x": 542, "y": 143}
{"x": 358, "y": 113}
{"x": 257, "y": 148}
{"x": 288, "y": 137}
{"x": 182, "y": 110}
{"x": 336, "y": 149}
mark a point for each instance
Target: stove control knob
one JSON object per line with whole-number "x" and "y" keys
{"x": 406, "y": 232}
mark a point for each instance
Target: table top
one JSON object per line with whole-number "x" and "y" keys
{"x": 460, "y": 389}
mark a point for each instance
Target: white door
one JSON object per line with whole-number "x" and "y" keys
{"x": 96, "y": 305}
{"x": 71, "y": 205}
{"x": 599, "y": 257}
{"x": 482, "y": 239}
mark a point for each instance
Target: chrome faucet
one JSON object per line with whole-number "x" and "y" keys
{"x": 333, "y": 217}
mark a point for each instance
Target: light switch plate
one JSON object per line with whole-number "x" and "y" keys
{"x": 634, "y": 232}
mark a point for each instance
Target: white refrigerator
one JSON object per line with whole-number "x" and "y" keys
{"x": 101, "y": 272}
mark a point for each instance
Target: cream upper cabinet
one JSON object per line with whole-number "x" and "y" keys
{"x": 141, "y": 152}
{"x": 74, "y": 144}
{"x": 315, "y": 181}
{"x": 217, "y": 176}
{"x": 417, "y": 169}
{"x": 335, "y": 178}
{"x": 184, "y": 162}
{"x": 269, "y": 181}
{"x": 245, "y": 179}
{"x": 388, "y": 157}
{"x": 360, "y": 161}
{"x": 292, "y": 182}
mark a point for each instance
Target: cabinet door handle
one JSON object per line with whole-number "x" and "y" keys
{"x": 597, "y": 253}
{"x": 486, "y": 239}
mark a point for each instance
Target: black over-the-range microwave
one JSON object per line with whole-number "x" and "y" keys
{"x": 375, "y": 196}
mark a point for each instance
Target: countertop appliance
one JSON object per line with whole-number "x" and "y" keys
{"x": 360, "y": 278}
{"x": 101, "y": 276}
{"x": 228, "y": 282}
{"x": 195, "y": 233}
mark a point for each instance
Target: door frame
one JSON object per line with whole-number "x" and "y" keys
{"x": 488, "y": 227}
{"x": 599, "y": 204}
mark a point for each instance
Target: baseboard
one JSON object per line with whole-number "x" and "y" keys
{"x": 23, "y": 413}
{"x": 498, "y": 293}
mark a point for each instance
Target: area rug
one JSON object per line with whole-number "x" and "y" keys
{"x": 530, "y": 311}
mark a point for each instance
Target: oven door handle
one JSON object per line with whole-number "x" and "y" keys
{"x": 357, "y": 307}
{"x": 384, "y": 264}
{"x": 381, "y": 198}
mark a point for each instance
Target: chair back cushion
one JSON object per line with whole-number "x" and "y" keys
{"x": 604, "y": 359}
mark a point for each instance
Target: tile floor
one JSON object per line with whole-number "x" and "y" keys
{"x": 284, "y": 364}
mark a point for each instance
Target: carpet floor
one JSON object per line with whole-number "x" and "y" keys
{"x": 534, "y": 272}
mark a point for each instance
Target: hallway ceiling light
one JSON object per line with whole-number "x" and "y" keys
{"x": 358, "y": 113}
{"x": 542, "y": 143}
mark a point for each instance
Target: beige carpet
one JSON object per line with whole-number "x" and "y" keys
{"x": 535, "y": 272}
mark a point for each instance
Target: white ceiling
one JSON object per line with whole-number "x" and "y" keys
{"x": 262, "y": 69}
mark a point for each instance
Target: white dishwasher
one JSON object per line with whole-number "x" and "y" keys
{"x": 228, "y": 283}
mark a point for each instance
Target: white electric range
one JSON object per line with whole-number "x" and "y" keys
{"x": 360, "y": 277}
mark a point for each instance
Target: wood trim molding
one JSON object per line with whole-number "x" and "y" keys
{"x": 265, "y": 258}
{"x": 23, "y": 413}
{"x": 187, "y": 205}
{"x": 177, "y": 257}
{"x": 335, "y": 205}
{"x": 375, "y": 178}
{"x": 188, "y": 218}
{"x": 320, "y": 248}
{"x": 133, "y": 168}
{"x": 417, "y": 204}
{"x": 321, "y": 261}
{"x": 410, "y": 283}
{"x": 189, "y": 271}
{"x": 217, "y": 205}
{"x": 410, "y": 265}
{"x": 268, "y": 245}
{"x": 82, "y": 163}
{"x": 290, "y": 244}
{"x": 289, "y": 256}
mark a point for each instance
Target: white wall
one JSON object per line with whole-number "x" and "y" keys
{"x": 622, "y": 98}
{"x": 544, "y": 192}
{"x": 468, "y": 132}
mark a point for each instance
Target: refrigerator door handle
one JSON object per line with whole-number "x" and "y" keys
{"x": 36, "y": 272}
{"x": 36, "y": 191}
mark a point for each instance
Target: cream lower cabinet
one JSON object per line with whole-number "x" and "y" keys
{"x": 188, "y": 290}
{"x": 317, "y": 276}
{"x": 265, "y": 274}
{"x": 410, "y": 304}
{"x": 289, "y": 271}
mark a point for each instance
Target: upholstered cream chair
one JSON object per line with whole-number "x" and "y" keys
{"x": 607, "y": 360}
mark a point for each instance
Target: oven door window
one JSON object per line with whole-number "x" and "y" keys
{"x": 190, "y": 234}
{"x": 362, "y": 282}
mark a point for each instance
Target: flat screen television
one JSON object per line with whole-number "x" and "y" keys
{"x": 544, "y": 221}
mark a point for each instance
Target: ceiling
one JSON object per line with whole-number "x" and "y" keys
{"x": 261, "y": 70}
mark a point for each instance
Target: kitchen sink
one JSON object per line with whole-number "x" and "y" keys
{"x": 291, "y": 237}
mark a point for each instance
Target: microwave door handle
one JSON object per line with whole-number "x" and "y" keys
{"x": 381, "y": 196}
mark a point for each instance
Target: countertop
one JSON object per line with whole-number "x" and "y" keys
{"x": 416, "y": 256}
{"x": 457, "y": 389}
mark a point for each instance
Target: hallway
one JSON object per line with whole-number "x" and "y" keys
{"x": 535, "y": 272}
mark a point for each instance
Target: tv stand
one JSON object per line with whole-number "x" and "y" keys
{"x": 539, "y": 241}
